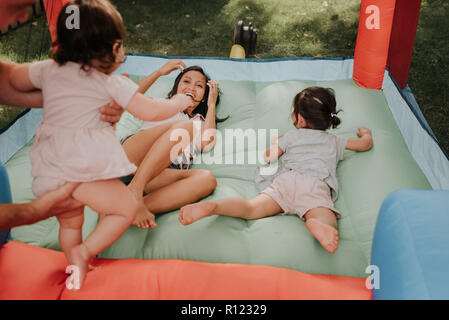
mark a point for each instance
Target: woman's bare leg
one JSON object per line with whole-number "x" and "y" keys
{"x": 322, "y": 224}
{"x": 137, "y": 146}
{"x": 150, "y": 151}
{"x": 174, "y": 188}
{"x": 259, "y": 207}
{"x": 157, "y": 156}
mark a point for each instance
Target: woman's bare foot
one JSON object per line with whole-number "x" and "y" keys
{"x": 193, "y": 212}
{"x": 144, "y": 218}
{"x": 79, "y": 256}
{"x": 326, "y": 235}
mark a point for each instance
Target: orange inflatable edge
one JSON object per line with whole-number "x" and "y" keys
{"x": 373, "y": 41}
{"x": 31, "y": 272}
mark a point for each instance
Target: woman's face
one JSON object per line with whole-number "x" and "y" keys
{"x": 193, "y": 82}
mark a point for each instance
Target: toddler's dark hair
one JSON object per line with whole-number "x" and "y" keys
{"x": 317, "y": 106}
{"x": 100, "y": 27}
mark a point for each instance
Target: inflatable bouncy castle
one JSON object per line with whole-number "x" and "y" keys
{"x": 394, "y": 197}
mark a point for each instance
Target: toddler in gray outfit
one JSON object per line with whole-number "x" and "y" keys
{"x": 306, "y": 183}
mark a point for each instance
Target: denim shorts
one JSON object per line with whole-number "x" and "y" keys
{"x": 4, "y": 236}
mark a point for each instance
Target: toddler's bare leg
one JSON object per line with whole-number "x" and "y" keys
{"x": 118, "y": 207}
{"x": 70, "y": 226}
{"x": 322, "y": 224}
{"x": 259, "y": 207}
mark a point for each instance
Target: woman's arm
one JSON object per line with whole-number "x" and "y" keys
{"x": 364, "y": 143}
{"x": 167, "y": 68}
{"x": 209, "y": 127}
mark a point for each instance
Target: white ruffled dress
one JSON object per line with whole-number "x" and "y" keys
{"x": 72, "y": 143}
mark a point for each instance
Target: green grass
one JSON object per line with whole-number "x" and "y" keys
{"x": 287, "y": 28}
{"x": 28, "y": 42}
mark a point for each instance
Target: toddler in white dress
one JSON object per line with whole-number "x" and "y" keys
{"x": 72, "y": 143}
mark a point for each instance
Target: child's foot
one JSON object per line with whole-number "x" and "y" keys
{"x": 193, "y": 212}
{"x": 326, "y": 235}
{"x": 79, "y": 256}
{"x": 144, "y": 219}
{"x": 92, "y": 267}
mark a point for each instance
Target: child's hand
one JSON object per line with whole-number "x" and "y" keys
{"x": 276, "y": 139}
{"x": 363, "y": 143}
{"x": 185, "y": 101}
{"x": 363, "y": 131}
{"x": 266, "y": 156}
{"x": 273, "y": 153}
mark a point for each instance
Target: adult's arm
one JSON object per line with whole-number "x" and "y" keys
{"x": 12, "y": 96}
{"x": 50, "y": 204}
{"x": 33, "y": 99}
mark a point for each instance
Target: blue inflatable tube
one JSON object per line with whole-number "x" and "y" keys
{"x": 411, "y": 246}
{"x": 5, "y": 197}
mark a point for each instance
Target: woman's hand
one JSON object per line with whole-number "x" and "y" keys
{"x": 170, "y": 66}
{"x": 213, "y": 93}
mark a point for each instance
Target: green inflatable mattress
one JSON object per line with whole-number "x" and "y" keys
{"x": 365, "y": 179}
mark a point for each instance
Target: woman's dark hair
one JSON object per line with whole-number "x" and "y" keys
{"x": 100, "y": 27}
{"x": 202, "y": 107}
{"x": 317, "y": 106}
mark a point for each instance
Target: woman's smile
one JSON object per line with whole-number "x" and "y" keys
{"x": 193, "y": 83}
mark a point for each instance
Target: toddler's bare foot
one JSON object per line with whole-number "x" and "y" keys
{"x": 79, "y": 256}
{"x": 326, "y": 235}
{"x": 144, "y": 219}
{"x": 92, "y": 267}
{"x": 193, "y": 212}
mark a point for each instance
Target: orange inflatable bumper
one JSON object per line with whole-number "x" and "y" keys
{"x": 373, "y": 40}
{"x": 30, "y": 272}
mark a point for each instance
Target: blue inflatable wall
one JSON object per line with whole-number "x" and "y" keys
{"x": 5, "y": 197}
{"x": 411, "y": 245}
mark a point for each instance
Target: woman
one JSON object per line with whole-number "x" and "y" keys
{"x": 166, "y": 188}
